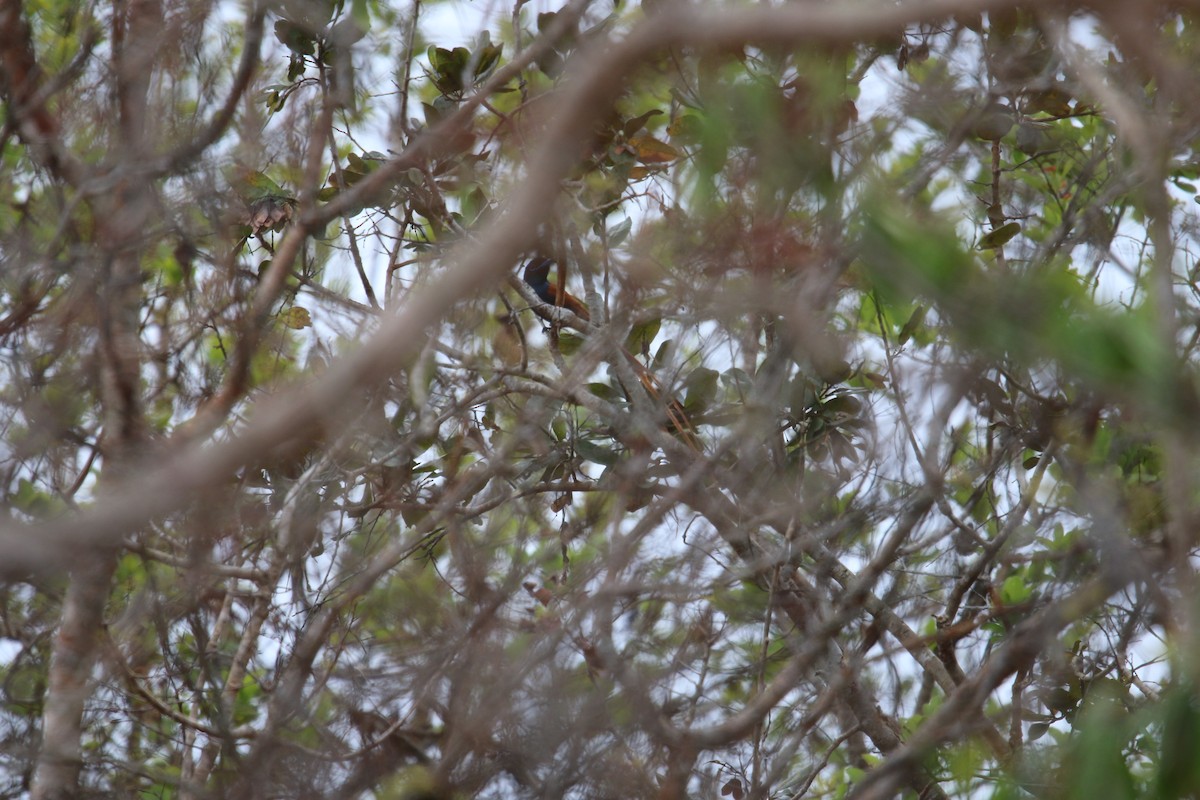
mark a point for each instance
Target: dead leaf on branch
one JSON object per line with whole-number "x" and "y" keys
{"x": 296, "y": 318}
{"x": 269, "y": 213}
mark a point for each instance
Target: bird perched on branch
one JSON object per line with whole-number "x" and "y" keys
{"x": 537, "y": 275}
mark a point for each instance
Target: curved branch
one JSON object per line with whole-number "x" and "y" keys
{"x": 1023, "y": 646}
{"x": 179, "y": 158}
{"x": 592, "y": 86}
{"x": 20, "y": 81}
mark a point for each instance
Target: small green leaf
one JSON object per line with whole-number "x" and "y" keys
{"x": 591, "y": 451}
{"x": 296, "y": 318}
{"x": 701, "y": 388}
{"x": 914, "y": 322}
{"x": 448, "y": 67}
{"x": 876, "y": 379}
{"x": 843, "y": 406}
{"x": 433, "y": 114}
{"x": 1015, "y": 590}
{"x": 662, "y": 356}
{"x": 252, "y": 184}
{"x": 738, "y": 381}
{"x": 35, "y": 502}
{"x": 619, "y": 232}
{"x": 905, "y": 252}
{"x": 1034, "y": 138}
{"x": 295, "y": 38}
{"x": 1055, "y": 101}
{"x": 642, "y": 335}
{"x": 295, "y": 70}
{"x": 1000, "y": 236}
{"x": 993, "y": 124}
{"x": 487, "y": 58}
{"x": 634, "y": 125}
{"x": 686, "y": 129}
{"x": 604, "y": 391}
{"x": 569, "y": 343}
{"x": 652, "y": 151}
{"x": 474, "y": 204}
{"x": 360, "y": 11}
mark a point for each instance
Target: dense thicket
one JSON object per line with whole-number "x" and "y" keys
{"x": 854, "y": 453}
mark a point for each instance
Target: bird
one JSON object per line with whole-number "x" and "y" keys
{"x": 537, "y": 275}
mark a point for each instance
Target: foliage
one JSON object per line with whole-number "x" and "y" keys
{"x": 868, "y": 469}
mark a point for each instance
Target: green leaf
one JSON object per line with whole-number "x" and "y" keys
{"x": 842, "y": 406}
{"x": 1034, "y": 138}
{"x": 596, "y": 453}
{"x": 296, "y": 318}
{"x": 605, "y": 392}
{"x": 361, "y": 13}
{"x": 448, "y": 67}
{"x": 474, "y": 204}
{"x": 619, "y": 232}
{"x": 662, "y": 356}
{"x": 251, "y": 184}
{"x": 1179, "y": 770}
{"x": 1100, "y": 768}
{"x": 686, "y": 129}
{"x": 642, "y": 335}
{"x": 914, "y": 322}
{"x": 1055, "y": 101}
{"x": 295, "y": 38}
{"x": 701, "y": 389}
{"x": 634, "y": 125}
{"x": 487, "y": 58}
{"x": 992, "y": 127}
{"x": 906, "y": 253}
{"x": 35, "y": 502}
{"x": 649, "y": 150}
{"x": 1000, "y": 236}
{"x": 737, "y": 381}
{"x": 1015, "y": 590}
{"x": 569, "y": 343}
{"x": 295, "y": 70}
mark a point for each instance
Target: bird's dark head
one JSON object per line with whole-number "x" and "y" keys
{"x": 537, "y": 271}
